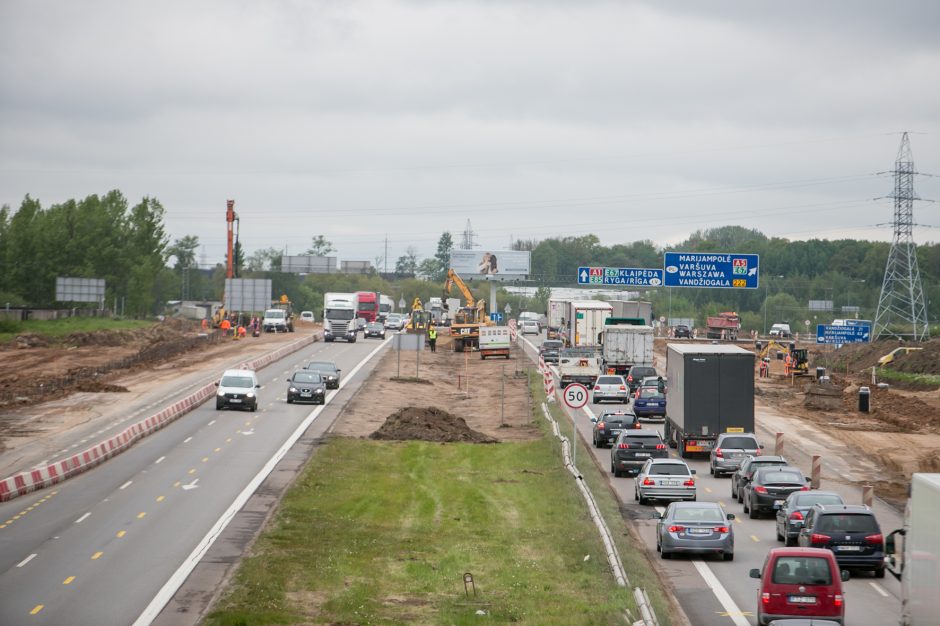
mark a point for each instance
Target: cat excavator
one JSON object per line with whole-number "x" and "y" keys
{"x": 465, "y": 329}
{"x": 799, "y": 357}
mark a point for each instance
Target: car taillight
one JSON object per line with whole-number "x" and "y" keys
{"x": 874, "y": 539}
{"x": 765, "y": 598}
{"x": 623, "y": 446}
{"x": 660, "y": 446}
{"x": 819, "y": 538}
{"x": 648, "y": 481}
{"x": 837, "y": 599}
{"x": 597, "y": 387}
{"x": 796, "y": 515}
{"x": 804, "y": 488}
{"x": 600, "y": 425}
{"x": 721, "y": 529}
{"x": 623, "y": 387}
{"x": 637, "y": 425}
{"x": 719, "y": 454}
{"x": 760, "y": 489}
{"x": 689, "y": 483}
{"x": 676, "y": 529}
{"x": 629, "y": 379}
{"x": 757, "y": 452}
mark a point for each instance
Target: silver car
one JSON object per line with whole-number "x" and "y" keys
{"x": 610, "y": 388}
{"x": 664, "y": 479}
{"x": 695, "y": 528}
{"x": 731, "y": 449}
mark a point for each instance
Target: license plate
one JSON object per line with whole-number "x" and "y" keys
{"x": 699, "y": 531}
{"x": 694, "y": 449}
{"x": 802, "y": 599}
{"x": 305, "y": 394}
{"x": 644, "y": 454}
{"x": 849, "y": 548}
{"x": 235, "y": 401}
{"x": 671, "y": 483}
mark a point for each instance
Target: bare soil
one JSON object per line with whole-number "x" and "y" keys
{"x": 428, "y": 424}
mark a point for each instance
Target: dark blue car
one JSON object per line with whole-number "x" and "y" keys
{"x": 650, "y": 402}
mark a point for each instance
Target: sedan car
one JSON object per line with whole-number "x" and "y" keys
{"x": 394, "y": 321}
{"x": 664, "y": 479}
{"x": 633, "y": 448}
{"x": 530, "y": 327}
{"x": 745, "y": 472}
{"x": 549, "y": 350}
{"x": 610, "y": 424}
{"x": 791, "y": 514}
{"x": 695, "y": 528}
{"x": 730, "y": 451}
{"x": 306, "y": 386}
{"x": 650, "y": 402}
{"x": 375, "y": 329}
{"x": 328, "y": 371}
{"x": 610, "y": 388}
{"x": 770, "y": 487}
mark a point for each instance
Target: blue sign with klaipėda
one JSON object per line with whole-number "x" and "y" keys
{"x": 623, "y": 276}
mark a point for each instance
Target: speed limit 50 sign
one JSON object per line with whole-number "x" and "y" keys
{"x": 575, "y": 395}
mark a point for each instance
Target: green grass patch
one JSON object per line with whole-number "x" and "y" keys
{"x": 56, "y": 329}
{"x": 907, "y": 380}
{"x": 382, "y": 533}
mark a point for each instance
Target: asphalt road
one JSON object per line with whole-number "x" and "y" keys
{"x": 99, "y": 548}
{"x": 716, "y": 592}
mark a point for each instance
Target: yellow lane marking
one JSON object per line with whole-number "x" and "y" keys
{"x": 217, "y": 449}
{"x": 161, "y": 498}
{"x": 141, "y": 514}
{"x": 737, "y": 520}
{"x": 121, "y": 533}
{"x": 3, "y": 525}
{"x": 248, "y": 423}
{"x": 17, "y": 516}
{"x": 177, "y": 484}
{"x": 237, "y": 432}
{"x": 192, "y": 471}
{"x": 754, "y": 537}
{"x": 708, "y": 489}
{"x": 36, "y": 609}
{"x": 96, "y": 556}
{"x": 228, "y": 440}
{"x": 205, "y": 459}
{"x": 68, "y": 580}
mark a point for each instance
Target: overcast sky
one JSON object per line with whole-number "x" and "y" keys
{"x": 357, "y": 120}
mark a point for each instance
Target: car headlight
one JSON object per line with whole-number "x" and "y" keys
{"x": 320, "y": 390}
{"x": 293, "y": 390}
{"x": 250, "y": 394}
{"x": 220, "y": 394}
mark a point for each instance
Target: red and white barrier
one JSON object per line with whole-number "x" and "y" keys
{"x": 45, "y": 476}
{"x": 549, "y": 385}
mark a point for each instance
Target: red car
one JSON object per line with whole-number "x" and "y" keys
{"x": 800, "y": 582}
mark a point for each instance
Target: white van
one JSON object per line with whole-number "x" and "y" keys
{"x": 781, "y": 331}
{"x": 237, "y": 390}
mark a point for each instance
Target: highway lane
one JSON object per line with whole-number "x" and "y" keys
{"x": 98, "y": 548}
{"x": 717, "y": 592}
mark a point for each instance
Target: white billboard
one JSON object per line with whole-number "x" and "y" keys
{"x": 490, "y": 264}
{"x": 79, "y": 289}
{"x": 247, "y": 295}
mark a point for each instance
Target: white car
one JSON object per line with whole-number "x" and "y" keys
{"x": 306, "y": 316}
{"x": 237, "y": 390}
{"x": 530, "y": 327}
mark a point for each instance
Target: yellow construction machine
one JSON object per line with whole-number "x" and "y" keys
{"x": 465, "y": 329}
{"x": 799, "y": 357}
{"x": 420, "y": 319}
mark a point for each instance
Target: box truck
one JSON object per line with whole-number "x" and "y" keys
{"x": 626, "y": 345}
{"x": 556, "y": 318}
{"x": 585, "y": 322}
{"x": 632, "y": 309}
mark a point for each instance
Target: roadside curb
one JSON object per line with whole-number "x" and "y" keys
{"x": 54, "y": 473}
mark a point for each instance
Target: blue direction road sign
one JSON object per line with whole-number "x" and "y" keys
{"x": 496, "y": 317}
{"x": 827, "y": 333}
{"x": 625, "y": 276}
{"x": 711, "y": 269}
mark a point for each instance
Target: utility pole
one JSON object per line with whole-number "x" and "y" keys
{"x": 902, "y": 308}
{"x": 386, "y": 253}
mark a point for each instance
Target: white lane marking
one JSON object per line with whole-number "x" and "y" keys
{"x": 191, "y": 485}
{"x": 187, "y": 440}
{"x": 879, "y": 589}
{"x": 26, "y": 560}
{"x": 211, "y": 423}
{"x": 83, "y": 518}
{"x": 721, "y": 593}
{"x": 127, "y": 484}
{"x": 159, "y": 460}
{"x": 189, "y": 564}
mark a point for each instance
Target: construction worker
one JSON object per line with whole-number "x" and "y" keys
{"x": 432, "y": 337}
{"x": 786, "y": 364}
{"x": 224, "y": 326}
{"x": 242, "y": 331}
{"x": 764, "y": 367}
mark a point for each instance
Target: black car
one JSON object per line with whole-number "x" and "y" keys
{"x": 549, "y": 350}
{"x": 633, "y": 448}
{"x": 609, "y": 424}
{"x": 770, "y": 487}
{"x": 745, "y": 472}
{"x": 636, "y": 373}
{"x": 306, "y": 386}
{"x": 850, "y": 531}
{"x": 681, "y": 330}
{"x": 328, "y": 371}
{"x": 791, "y": 514}
{"x": 375, "y": 329}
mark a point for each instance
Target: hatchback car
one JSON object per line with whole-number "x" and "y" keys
{"x": 375, "y": 329}
{"x": 633, "y": 448}
{"x": 664, "y": 479}
{"x": 394, "y": 321}
{"x": 530, "y": 327}
{"x": 800, "y": 582}
{"x": 682, "y": 330}
{"x": 610, "y": 388}
{"x": 237, "y": 390}
{"x": 730, "y": 451}
{"x": 307, "y": 316}
{"x": 306, "y": 386}
{"x": 610, "y": 424}
{"x": 328, "y": 371}
{"x": 791, "y": 514}
{"x": 636, "y": 373}
{"x": 850, "y": 531}
{"x": 549, "y": 350}
{"x": 695, "y": 528}
{"x": 650, "y": 402}
{"x": 745, "y": 472}
{"x": 770, "y": 487}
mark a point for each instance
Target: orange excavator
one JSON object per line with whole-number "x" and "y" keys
{"x": 231, "y": 218}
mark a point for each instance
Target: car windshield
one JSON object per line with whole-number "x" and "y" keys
{"x": 650, "y": 392}
{"x": 640, "y": 372}
{"x": 237, "y": 381}
{"x": 669, "y": 469}
{"x": 609, "y": 380}
{"x": 743, "y": 443}
{"x": 802, "y": 570}
{"x": 848, "y": 523}
{"x": 306, "y": 377}
{"x": 551, "y": 345}
{"x": 375, "y": 325}
{"x": 340, "y": 314}
{"x": 324, "y": 367}
{"x": 649, "y": 440}
{"x": 274, "y": 315}
{"x": 613, "y": 422}
{"x": 780, "y": 477}
{"x": 810, "y": 498}
{"x": 690, "y": 514}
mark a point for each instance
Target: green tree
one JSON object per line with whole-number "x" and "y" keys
{"x": 319, "y": 246}
{"x": 407, "y": 264}
{"x": 265, "y": 259}
{"x": 442, "y": 257}
{"x": 184, "y": 249}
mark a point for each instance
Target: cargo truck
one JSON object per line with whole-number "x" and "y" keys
{"x": 556, "y": 318}
{"x": 578, "y": 365}
{"x": 635, "y": 309}
{"x": 624, "y": 346}
{"x": 918, "y": 565}
{"x": 710, "y": 391}
{"x": 339, "y": 317}
{"x": 585, "y": 323}
{"x": 494, "y": 341}
{"x": 723, "y": 326}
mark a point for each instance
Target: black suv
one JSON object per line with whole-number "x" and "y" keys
{"x": 633, "y": 448}
{"x": 745, "y": 473}
{"x": 850, "y": 531}
{"x": 610, "y": 424}
{"x": 549, "y": 350}
{"x": 682, "y": 330}
{"x": 636, "y": 373}
{"x": 769, "y": 488}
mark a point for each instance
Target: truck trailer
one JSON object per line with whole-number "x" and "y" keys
{"x": 585, "y": 323}
{"x": 710, "y": 391}
{"x": 633, "y": 309}
{"x": 556, "y": 318}
{"x": 624, "y": 346}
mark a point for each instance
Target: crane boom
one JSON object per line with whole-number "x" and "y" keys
{"x": 454, "y": 279}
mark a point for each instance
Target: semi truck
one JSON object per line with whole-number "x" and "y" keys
{"x": 636, "y": 309}
{"x": 584, "y": 322}
{"x": 386, "y": 306}
{"x": 918, "y": 565}
{"x": 625, "y": 345}
{"x": 367, "y": 305}
{"x": 556, "y": 318}
{"x": 578, "y": 365}
{"x": 710, "y": 391}
{"x": 339, "y": 317}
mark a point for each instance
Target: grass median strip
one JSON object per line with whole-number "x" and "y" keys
{"x": 378, "y": 532}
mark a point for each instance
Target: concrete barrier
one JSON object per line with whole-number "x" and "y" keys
{"x": 53, "y": 473}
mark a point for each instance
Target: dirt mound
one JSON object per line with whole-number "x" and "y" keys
{"x": 907, "y": 413}
{"x": 428, "y": 424}
{"x": 863, "y": 356}
{"x": 926, "y": 361}
{"x": 95, "y": 386}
